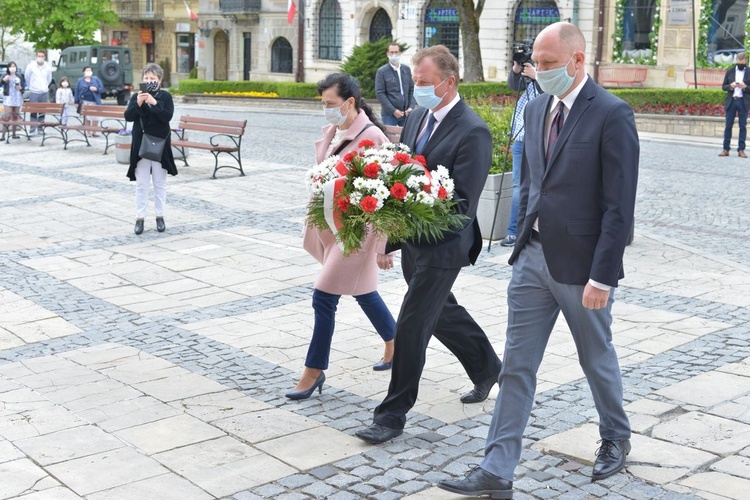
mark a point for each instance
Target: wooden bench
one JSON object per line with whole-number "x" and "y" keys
{"x": 52, "y": 120}
{"x": 393, "y": 132}
{"x": 110, "y": 120}
{"x": 706, "y": 77}
{"x": 226, "y": 138}
{"x": 622, "y": 75}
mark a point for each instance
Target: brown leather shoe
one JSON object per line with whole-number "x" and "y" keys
{"x": 724, "y": 153}
{"x": 741, "y": 154}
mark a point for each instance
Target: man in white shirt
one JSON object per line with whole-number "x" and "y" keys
{"x": 394, "y": 88}
{"x": 38, "y": 77}
{"x": 736, "y": 103}
{"x": 578, "y": 186}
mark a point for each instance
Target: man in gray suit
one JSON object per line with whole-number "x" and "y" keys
{"x": 394, "y": 88}
{"x": 578, "y": 186}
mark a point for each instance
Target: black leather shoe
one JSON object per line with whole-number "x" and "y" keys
{"x": 610, "y": 458}
{"x": 138, "y": 226}
{"x": 480, "y": 392}
{"x": 306, "y": 394}
{"x": 160, "y": 226}
{"x": 479, "y": 482}
{"x": 376, "y": 434}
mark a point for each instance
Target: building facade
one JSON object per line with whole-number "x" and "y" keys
{"x": 159, "y": 31}
{"x": 254, "y": 40}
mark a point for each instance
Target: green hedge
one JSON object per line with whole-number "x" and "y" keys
{"x": 484, "y": 89}
{"x": 284, "y": 89}
{"x": 643, "y": 97}
{"x": 635, "y": 97}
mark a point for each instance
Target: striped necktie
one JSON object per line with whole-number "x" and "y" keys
{"x": 554, "y": 131}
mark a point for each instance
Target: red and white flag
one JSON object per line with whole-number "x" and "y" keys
{"x": 291, "y": 11}
{"x": 193, "y": 16}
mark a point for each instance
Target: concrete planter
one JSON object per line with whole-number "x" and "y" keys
{"x": 497, "y": 186}
{"x": 122, "y": 148}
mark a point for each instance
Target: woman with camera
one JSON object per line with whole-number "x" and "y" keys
{"x": 150, "y": 111}
{"x": 12, "y": 98}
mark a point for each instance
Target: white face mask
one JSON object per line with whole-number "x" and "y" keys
{"x": 12, "y": 70}
{"x": 395, "y": 59}
{"x": 40, "y": 60}
{"x": 87, "y": 73}
{"x": 64, "y": 84}
{"x": 334, "y": 116}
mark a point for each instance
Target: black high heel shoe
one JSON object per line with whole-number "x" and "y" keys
{"x": 306, "y": 394}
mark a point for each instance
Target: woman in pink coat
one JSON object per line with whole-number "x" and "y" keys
{"x": 351, "y": 121}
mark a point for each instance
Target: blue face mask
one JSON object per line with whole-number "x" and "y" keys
{"x": 426, "y": 97}
{"x": 334, "y": 116}
{"x": 556, "y": 81}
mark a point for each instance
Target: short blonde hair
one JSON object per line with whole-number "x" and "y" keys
{"x": 441, "y": 56}
{"x": 741, "y": 56}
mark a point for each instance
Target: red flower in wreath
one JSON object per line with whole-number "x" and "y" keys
{"x": 421, "y": 159}
{"x": 343, "y": 204}
{"x": 399, "y": 191}
{"x": 365, "y": 143}
{"x": 402, "y": 158}
{"x": 372, "y": 170}
{"x": 427, "y": 188}
{"x": 442, "y": 193}
{"x": 348, "y": 157}
{"x": 369, "y": 203}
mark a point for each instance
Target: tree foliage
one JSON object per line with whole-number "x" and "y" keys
{"x": 56, "y": 24}
{"x": 364, "y": 62}
{"x": 468, "y": 20}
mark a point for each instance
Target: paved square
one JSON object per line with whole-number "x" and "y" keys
{"x": 156, "y": 366}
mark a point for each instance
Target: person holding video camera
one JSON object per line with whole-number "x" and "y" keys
{"x": 522, "y": 78}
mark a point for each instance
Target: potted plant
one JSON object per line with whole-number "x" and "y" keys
{"x": 493, "y": 212}
{"x": 123, "y": 140}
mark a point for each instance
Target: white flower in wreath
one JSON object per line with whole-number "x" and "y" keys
{"x": 425, "y": 198}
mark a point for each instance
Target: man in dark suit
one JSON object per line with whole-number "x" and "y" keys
{"x": 447, "y": 132}
{"x": 394, "y": 88}
{"x": 736, "y": 103}
{"x": 578, "y": 185}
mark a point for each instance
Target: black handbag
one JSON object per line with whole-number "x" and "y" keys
{"x": 151, "y": 146}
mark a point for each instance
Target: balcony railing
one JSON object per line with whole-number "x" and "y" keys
{"x": 138, "y": 9}
{"x": 239, "y": 6}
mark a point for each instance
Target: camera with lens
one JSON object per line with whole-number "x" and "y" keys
{"x": 522, "y": 52}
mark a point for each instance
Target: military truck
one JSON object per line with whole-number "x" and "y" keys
{"x": 112, "y": 64}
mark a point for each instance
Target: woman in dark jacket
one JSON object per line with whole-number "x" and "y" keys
{"x": 88, "y": 88}
{"x": 151, "y": 111}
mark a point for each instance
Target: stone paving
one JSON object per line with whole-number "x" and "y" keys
{"x": 155, "y": 367}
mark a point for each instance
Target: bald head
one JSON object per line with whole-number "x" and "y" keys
{"x": 560, "y": 45}
{"x": 566, "y": 34}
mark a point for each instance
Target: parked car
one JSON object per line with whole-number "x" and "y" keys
{"x": 19, "y": 71}
{"x": 112, "y": 64}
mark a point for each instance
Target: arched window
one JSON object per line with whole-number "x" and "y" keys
{"x": 441, "y": 25}
{"x": 726, "y": 30}
{"x": 281, "y": 56}
{"x": 329, "y": 30}
{"x": 381, "y": 26}
{"x": 532, "y": 16}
